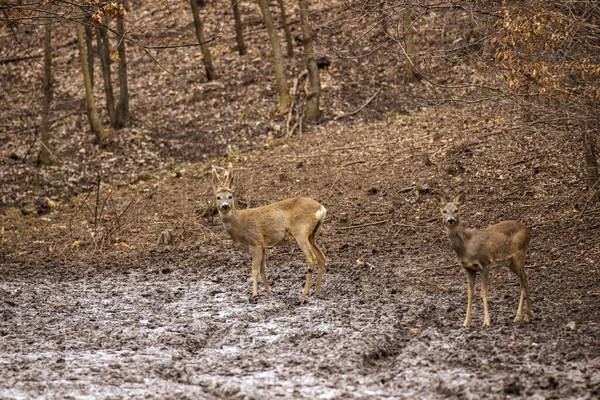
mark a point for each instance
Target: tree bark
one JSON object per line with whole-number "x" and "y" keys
{"x": 45, "y": 153}
{"x": 211, "y": 74}
{"x": 92, "y": 111}
{"x": 285, "y": 100}
{"x": 123, "y": 115}
{"x": 410, "y": 70}
{"x": 90, "y": 49}
{"x": 104, "y": 53}
{"x": 286, "y": 29}
{"x": 239, "y": 28}
{"x": 314, "y": 94}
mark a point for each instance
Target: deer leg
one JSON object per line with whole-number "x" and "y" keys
{"x": 485, "y": 276}
{"x": 256, "y": 264}
{"x": 525, "y": 286}
{"x": 519, "y": 315}
{"x": 307, "y": 249}
{"x": 471, "y": 275}
{"x": 263, "y": 271}
{"x": 320, "y": 261}
{"x": 514, "y": 267}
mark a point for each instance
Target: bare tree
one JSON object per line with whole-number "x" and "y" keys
{"x": 314, "y": 94}
{"x": 92, "y": 111}
{"x": 211, "y": 74}
{"x": 239, "y": 28}
{"x": 45, "y": 153}
{"x": 286, "y": 29}
{"x": 410, "y": 68}
{"x": 123, "y": 115}
{"x": 285, "y": 100}
{"x": 89, "y": 34}
{"x": 104, "y": 53}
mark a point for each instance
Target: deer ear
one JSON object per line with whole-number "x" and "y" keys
{"x": 215, "y": 178}
{"x": 439, "y": 199}
{"x": 459, "y": 200}
{"x": 229, "y": 176}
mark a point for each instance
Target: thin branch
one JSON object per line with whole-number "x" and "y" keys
{"x": 359, "y": 108}
{"x": 345, "y": 228}
{"x": 438, "y": 268}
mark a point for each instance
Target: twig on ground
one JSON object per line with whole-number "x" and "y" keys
{"x": 438, "y": 268}
{"x": 409, "y": 225}
{"x": 534, "y": 266}
{"x": 359, "y": 108}
{"x": 344, "y": 228}
{"x": 370, "y": 265}
{"x": 353, "y": 162}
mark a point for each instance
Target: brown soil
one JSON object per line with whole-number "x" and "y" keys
{"x": 92, "y": 306}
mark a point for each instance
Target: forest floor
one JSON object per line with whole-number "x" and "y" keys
{"x": 93, "y": 306}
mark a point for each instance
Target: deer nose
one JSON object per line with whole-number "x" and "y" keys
{"x": 225, "y": 206}
{"x": 451, "y": 220}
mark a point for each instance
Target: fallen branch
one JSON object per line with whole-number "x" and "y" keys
{"x": 534, "y": 266}
{"x": 359, "y": 108}
{"x": 344, "y": 228}
{"x": 438, "y": 268}
{"x": 353, "y": 162}
{"x": 409, "y": 225}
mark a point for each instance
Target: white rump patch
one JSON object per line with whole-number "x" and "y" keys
{"x": 321, "y": 213}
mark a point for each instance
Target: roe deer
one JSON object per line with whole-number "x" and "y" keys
{"x": 483, "y": 249}
{"x": 256, "y": 229}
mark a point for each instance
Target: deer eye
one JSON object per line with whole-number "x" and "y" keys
{"x": 229, "y": 197}
{"x": 445, "y": 211}
{"x": 218, "y": 197}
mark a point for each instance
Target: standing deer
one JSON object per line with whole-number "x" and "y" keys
{"x": 483, "y": 249}
{"x": 256, "y": 229}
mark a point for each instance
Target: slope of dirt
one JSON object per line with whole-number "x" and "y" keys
{"x": 137, "y": 319}
{"x": 92, "y": 306}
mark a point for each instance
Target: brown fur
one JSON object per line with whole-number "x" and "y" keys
{"x": 256, "y": 229}
{"x": 503, "y": 244}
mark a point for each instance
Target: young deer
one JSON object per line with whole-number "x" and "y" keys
{"x": 256, "y": 229}
{"x": 483, "y": 249}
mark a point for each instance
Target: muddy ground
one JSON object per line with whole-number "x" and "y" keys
{"x": 175, "y": 324}
{"x": 91, "y": 306}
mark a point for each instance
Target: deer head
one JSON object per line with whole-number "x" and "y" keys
{"x": 450, "y": 210}
{"x": 223, "y": 189}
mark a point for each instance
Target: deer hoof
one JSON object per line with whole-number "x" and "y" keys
{"x": 466, "y": 323}
{"x": 518, "y": 318}
{"x": 527, "y": 318}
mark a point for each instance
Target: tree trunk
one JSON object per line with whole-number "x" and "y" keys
{"x": 45, "y": 153}
{"x": 90, "y": 49}
{"x": 286, "y": 29}
{"x": 313, "y": 97}
{"x": 92, "y": 112}
{"x": 211, "y": 74}
{"x": 104, "y": 53}
{"x": 285, "y": 100}
{"x": 591, "y": 164}
{"x": 239, "y": 28}
{"x": 123, "y": 115}
{"x": 410, "y": 68}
